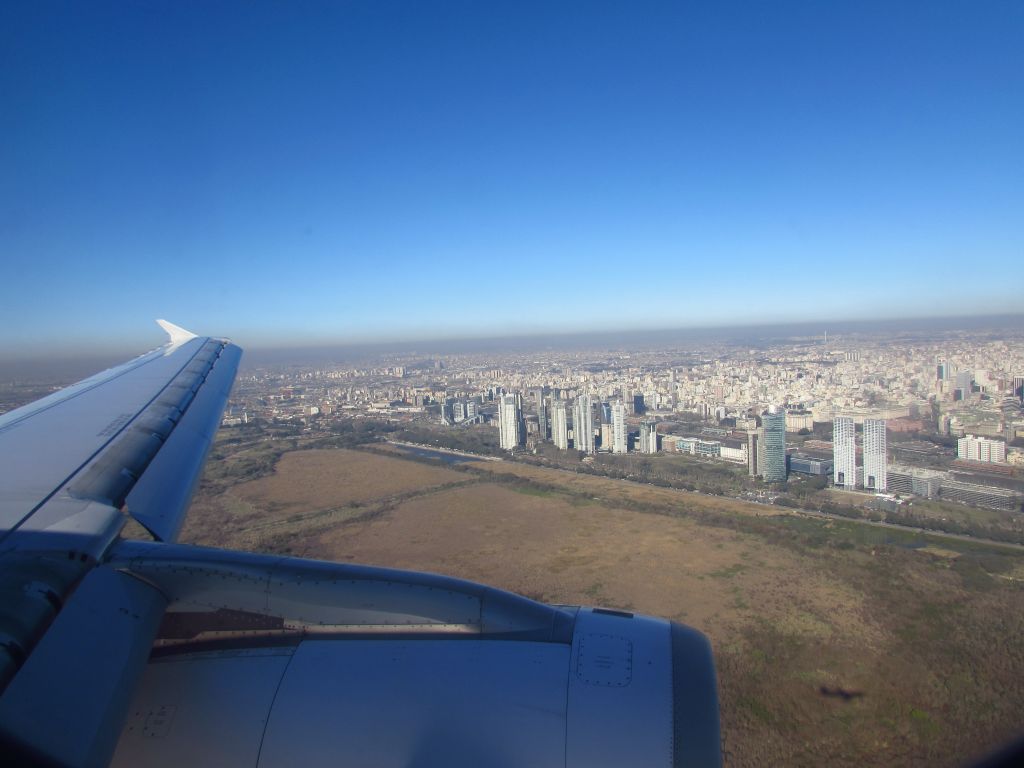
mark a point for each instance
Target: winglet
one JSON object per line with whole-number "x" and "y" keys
{"x": 178, "y": 335}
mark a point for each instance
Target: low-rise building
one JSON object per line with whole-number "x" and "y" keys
{"x": 809, "y": 465}
{"x": 799, "y": 420}
{"x": 980, "y": 495}
{"x": 918, "y": 481}
{"x": 984, "y": 449}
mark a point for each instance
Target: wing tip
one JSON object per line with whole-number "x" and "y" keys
{"x": 176, "y": 333}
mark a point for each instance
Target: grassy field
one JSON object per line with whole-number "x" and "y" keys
{"x": 929, "y": 635}
{"x": 305, "y": 489}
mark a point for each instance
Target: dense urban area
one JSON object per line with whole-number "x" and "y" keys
{"x": 901, "y": 429}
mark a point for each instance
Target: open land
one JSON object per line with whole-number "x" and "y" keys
{"x": 926, "y": 636}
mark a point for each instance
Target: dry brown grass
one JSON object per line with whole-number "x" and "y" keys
{"x": 332, "y": 478}
{"x": 306, "y": 490}
{"x": 610, "y": 492}
{"x": 556, "y": 550}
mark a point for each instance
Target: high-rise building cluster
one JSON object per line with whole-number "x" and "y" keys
{"x": 583, "y": 421}
{"x": 873, "y": 474}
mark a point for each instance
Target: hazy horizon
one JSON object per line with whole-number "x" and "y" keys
{"x": 49, "y": 364}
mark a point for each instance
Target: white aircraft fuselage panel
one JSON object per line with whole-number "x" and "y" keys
{"x": 399, "y": 704}
{"x": 202, "y": 709}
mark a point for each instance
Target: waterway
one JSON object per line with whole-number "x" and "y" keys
{"x": 445, "y": 456}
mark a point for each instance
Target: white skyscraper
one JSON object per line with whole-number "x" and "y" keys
{"x": 875, "y": 465}
{"x": 844, "y": 452}
{"x": 583, "y": 424}
{"x": 509, "y": 418}
{"x": 620, "y": 437}
{"x": 559, "y": 425}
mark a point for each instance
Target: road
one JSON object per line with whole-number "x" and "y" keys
{"x": 911, "y": 529}
{"x": 439, "y": 449}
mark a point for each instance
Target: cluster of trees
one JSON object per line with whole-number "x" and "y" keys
{"x": 225, "y": 469}
{"x": 352, "y": 433}
{"x": 681, "y": 472}
{"x": 905, "y": 516}
{"x": 483, "y": 441}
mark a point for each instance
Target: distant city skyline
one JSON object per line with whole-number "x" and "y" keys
{"x": 368, "y": 172}
{"x": 118, "y": 339}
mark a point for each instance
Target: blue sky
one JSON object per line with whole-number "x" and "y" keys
{"x": 302, "y": 172}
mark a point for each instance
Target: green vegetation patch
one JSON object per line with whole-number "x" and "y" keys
{"x": 757, "y": 708}
{"x": 729, "y": 571}
{"x": 533, "y": 490}
{"x": 923, "y": 723}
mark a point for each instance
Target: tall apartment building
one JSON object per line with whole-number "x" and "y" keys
{"x": 510, "y": 417}
{"x": 844, "y": 452}
{"x": 583, "y": 424}
{"x": 542, "y": 413}
{"x": 620, "y": 436}
{"x": 875, "y": 464}
{"x": 754, "y": 438}
{"x": 773, "y": 448}
{"x": 560, "y": 424}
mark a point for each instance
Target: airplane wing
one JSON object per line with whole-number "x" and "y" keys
{"x": 155, "y": 653}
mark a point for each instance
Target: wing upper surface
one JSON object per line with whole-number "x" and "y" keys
{"x": 89, "y": 446}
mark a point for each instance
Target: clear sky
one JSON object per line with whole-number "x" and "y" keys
{"x": 297, "y": 171}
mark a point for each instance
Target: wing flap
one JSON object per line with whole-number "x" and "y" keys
{"x": 160, "y": 499}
